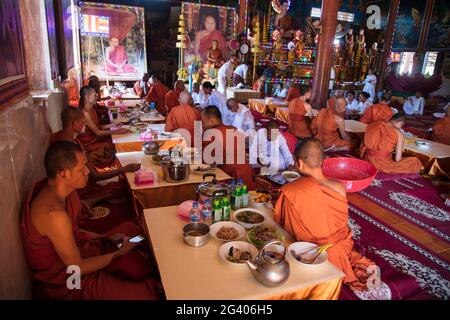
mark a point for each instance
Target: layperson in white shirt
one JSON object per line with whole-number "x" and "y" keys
{"x": 215, "y": 98}
{"x": 269, "y": 149}
{"x": 280, "y": 92}
{"x": 240, "y": 74}
{"x": 370, "y": 82}
{"x": 352, "y": 103}
{"x": 197, "y": 94}
{"x": 414, "y": 104}
{"x": 225, "y": 74}
{"x": 241, "y": 118}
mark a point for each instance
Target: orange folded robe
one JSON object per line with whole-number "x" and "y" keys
{"x": 313, "y": 213}
{"x": 237, "y": 171}
{"x": 377, "y": 112}
{"x": 172, "y": 99}
{"x": 182, "y": 116}
{"x": 441, "y": 131}
{"x": 325, "y": 129}
{"x": 380, "y": 140}
{"x": 127, "y": 277}
{"x": 297, "y": 123}
{"x": 293, "y": 93}
{"x": 157, "y": 94}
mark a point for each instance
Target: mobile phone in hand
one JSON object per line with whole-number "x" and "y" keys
{"x": 136, "y": 239}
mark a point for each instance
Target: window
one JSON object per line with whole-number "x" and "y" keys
{"x": 406, "y": 63}
{"x": 341, "y": 16}
{"x": 429, "y": 63}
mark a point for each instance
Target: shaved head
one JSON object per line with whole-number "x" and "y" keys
{"x": 212, "y": 112}
{"x": 69, "y": 115}
{"x": 60, "y": 155}
{"x": 232, "y": 105}
{"x": 340, "y": 105}
{"x": 310, "y": 151}
{"x": 185, "y": 97}
{"x": 179, "y": 85}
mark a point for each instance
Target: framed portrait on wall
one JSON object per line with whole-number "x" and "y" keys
{"x": 52, "y": 37}
{"x": 13, "y": 78}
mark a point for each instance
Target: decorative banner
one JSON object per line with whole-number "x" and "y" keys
{"x": 439, "y": 33}
{"x": 409, "y": 25}
{"x": 96, "y": 26}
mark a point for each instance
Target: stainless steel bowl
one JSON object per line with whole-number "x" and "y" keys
{"x": 175, "y": 172}
{"x": 151, "y": 147}
{"x": 196, "y": 234}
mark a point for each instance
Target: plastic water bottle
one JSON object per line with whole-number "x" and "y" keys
{"x": 194, "y": 215}
{"x": 236, "y": 198}
{"x": 207, "y": 212}
{"x": 244, "y": 196}
{"x": 226, "y": 209}
{"x": 152, "y": 106}
{"x": 216, "y": 211}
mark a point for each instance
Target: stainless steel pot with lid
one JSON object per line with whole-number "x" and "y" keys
{"x": 207, "y": 190}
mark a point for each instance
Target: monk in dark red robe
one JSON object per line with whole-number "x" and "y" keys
{"x": 173, "y": 96}
{"x": 378, "y": 112}
{"x": 236, "y": 167}
{"x": 293, "y": 92}
{"x": 314, "y": 209}
{"x": 53, "y": 242}
{"x": 381, "y": 139}
{"x": 157, "y": 94}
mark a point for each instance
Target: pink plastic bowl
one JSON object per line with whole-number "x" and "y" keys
{"x": 355, "y": 174}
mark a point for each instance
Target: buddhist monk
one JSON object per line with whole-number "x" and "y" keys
{"x": 96, "y": 140}
{"x": 331, "y": 102}
{"x": 260, "y": 86}
{"x": 329, "y": 127}
{"x": 157, "y": 94}
{"x": 314, "y": 209}
{"x": 237, "y": 167}
{"x": 298, "y": 109}
{"x": 380, "y": 111}
{"x": 173, "y": 95}
{"x": 293, "y": 92}
{"x": 184, "y": 115}
{"x": 141, "y": 86}
{"x": 59, "y": 253}
{"x": 441, "y": 129}
{"x": 381, "y": 140}
{"x": 73, "y": 124}
{"x": 99, "y": 107}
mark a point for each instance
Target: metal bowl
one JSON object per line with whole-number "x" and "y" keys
{"x": 151, "y": 147}
{"x": 175, "y": 172}
{"x": 196, "y": 234}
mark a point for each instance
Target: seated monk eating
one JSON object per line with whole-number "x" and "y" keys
{"x": 383, "y": 138}
{"x": 184, "y": 115}
{"x": 441, "y": 129}
{"x": 215, "y": 144}
{"x": 54, "y": 245}
{"x": 96, "y": 140}
{"x": 329, "y": 127}
{"x": 173, "y": 96}
{"x": 314, "y": 209}
{"x": 299, "y": 108}
{"x": 380, "y": 111}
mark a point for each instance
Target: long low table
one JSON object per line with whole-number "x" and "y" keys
{"x": 263, "y": 107}
{"x": 242, "y": 95}
{"x": 189, "y": 273}
{"x": 162, "y": 193}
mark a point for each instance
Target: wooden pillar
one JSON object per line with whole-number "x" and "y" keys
{"x": 388, "y": 37}
{"x": 324, "y": 59}
{"x": 242, "y": 15}
{"x": 419, "y": 60}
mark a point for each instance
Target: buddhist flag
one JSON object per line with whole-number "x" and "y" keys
{"x": 97, "y": 26}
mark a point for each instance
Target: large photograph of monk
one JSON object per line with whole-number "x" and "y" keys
{"x": 113, "y": 41}
{"x": 210, "y": 28}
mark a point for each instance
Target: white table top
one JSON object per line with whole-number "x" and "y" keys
{"x": 147, "y": 164}
{"x": 129, "y": 103}
{"x": 435, "y": 150}
{"x": 275, "y": 102}
{"x": 135, "y": 137}
{"x": 189, "y": 273}
{"x": 355, "y": 126}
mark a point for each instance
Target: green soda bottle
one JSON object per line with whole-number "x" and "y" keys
{"x": 216, "y": 211}
{"x": 226, "y": 209}
{"x": 244, "y": 196}
{"x": 236, "y": 198}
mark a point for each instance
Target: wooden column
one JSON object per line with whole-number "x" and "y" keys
{"x": 242, "y": 15}
{"x": 419, "y": 60}
{"x": 388, "y": 37}
{"x": 324, "y": 59}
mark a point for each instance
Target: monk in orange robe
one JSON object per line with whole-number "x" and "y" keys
{"x": 380, "y": 111}
{"x": 96, "y": 140}
{"x": 53, "y": 242}
{"x": 383, "y": 138}
{"x": 141, "y": 86}
{"x": 184, "y": 115}
{"x": 314, "y": 209}
{"x": 157, "y": 94}
{"x": 259, "y": 86}
{"x": 239, "y": 168}
{"x": 329, "y": 127}
{"x": 441, "y": 129}
{"x": 293, "y": 92}
{"x": 173, "y": 96}
{"x": 298, "y": 109}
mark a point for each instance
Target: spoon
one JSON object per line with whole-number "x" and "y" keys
{"x": 310, "y": 259}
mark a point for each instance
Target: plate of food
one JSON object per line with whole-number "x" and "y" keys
{"x": 157, "y": 158}
{"x": 259, "y": 235}
{"x": 227, "y": 231}
{"x": 423, "y": 143}
{"x": 258, "y": 199}
{"x": 305, "y": 253}
{"x": 99, "y": 212}
{"x": 290, "y": 175}
{"x": 238, "y": 252}
{"x": 202, "y": 168}
{"x": 249, "y": 217}
{"x": 278, "y": 179}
